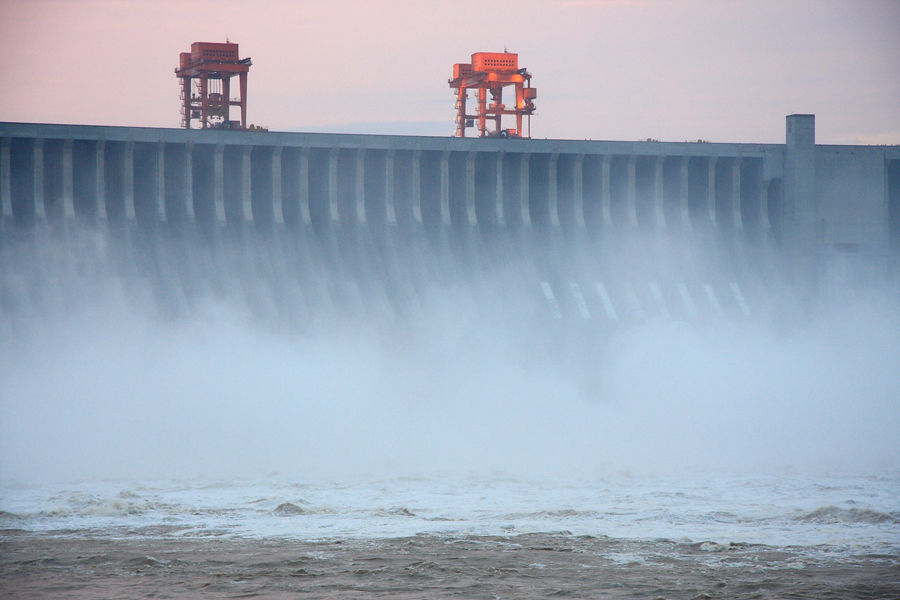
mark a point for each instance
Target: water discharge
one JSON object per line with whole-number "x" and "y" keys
{"x": 520, "y": 413}
{"x": 147, "y": 354}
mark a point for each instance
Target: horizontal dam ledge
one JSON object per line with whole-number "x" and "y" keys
{"x": 379, "y": 142}
{"x": 890, "y": 152}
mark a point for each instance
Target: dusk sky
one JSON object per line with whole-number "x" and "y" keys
{"x": 605, "y": 69}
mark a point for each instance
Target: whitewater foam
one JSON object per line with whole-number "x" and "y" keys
{"x": 709, "y": 512}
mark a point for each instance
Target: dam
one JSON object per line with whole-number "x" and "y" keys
{"x": 794, "y": 212}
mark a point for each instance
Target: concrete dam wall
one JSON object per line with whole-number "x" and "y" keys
{"x": 572, "y": 210}
{"x": 153, "y": 175}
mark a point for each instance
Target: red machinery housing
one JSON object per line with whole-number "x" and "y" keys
{"x": 491, "y": 72}
{"x": 213, "y": 65}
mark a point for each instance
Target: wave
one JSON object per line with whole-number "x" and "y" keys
{"x": 100, "y": 508}
{"x": 836, "y": 514}
{"x": 290, "y": 509}
{"x": 397, "y": 511}
{"x": 123, "y": 504}
{"x": 563, "y": 513}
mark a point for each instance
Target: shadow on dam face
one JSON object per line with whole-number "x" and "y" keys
{"x": 402, "y": 351}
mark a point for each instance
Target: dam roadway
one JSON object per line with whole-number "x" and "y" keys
{"x": 813, "y": 205}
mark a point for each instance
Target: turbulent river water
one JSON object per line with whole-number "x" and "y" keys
{"x": 620, "y": 536}
{"x": 408, "y": 418}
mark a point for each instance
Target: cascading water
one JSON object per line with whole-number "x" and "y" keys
{"x": 431, "y": 322}
{"x": 164, "y": 385}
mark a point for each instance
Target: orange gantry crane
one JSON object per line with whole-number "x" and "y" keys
{"x": 491, "y": 72}
{"x": 213, "y": 65}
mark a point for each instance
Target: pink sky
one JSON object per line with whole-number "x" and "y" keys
{"x": 720, "y": 70}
